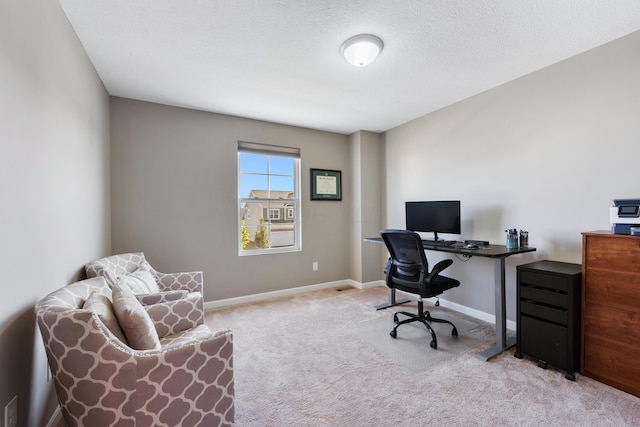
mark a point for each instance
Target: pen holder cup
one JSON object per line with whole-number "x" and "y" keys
{"x": 512, "y": 241}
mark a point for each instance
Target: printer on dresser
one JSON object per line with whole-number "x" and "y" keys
{"x": 611, "y": 309}
{"x": 625, "y": 216}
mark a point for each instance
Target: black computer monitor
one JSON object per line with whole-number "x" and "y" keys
{"x": 434, "y": 216}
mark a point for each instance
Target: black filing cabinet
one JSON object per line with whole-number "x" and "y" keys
{"x": 549, "y": 314}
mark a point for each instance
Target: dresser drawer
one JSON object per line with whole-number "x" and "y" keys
{"x": 615, "y": 288}
{"x": 613, "y": 253}
{"x": 614, "y": 325}
{"x": 612, "y": 364}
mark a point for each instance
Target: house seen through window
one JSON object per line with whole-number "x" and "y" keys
{"x": 268, "y": 199}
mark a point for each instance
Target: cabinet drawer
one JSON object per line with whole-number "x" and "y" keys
{"x": 544, "y": 341}
{"x": 612, "y": 364}
{"x": 545, "y": 296}
{"x": 613, "y": 253}
{"x": 616, "y": 325}
{"x": 544, "y": 312}
{"x": 617, "y": 289}
{"x": 543, "y": 280}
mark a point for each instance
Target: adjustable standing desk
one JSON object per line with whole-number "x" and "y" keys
{"x": 499, "y": 253}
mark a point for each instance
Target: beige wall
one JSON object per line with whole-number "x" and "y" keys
{"x": 547, "y": 153}
{"x": 366, "y": 187}
{"x": 54, "y": 185}
{"x": 174, "y": 197}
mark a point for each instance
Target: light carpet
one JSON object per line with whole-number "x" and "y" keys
{"x": 411, "y": 348}
{"x": 298, "y": 363}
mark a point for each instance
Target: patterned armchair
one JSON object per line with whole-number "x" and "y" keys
{"x": 101, "y": 381}
{"x": 117, "y": 265}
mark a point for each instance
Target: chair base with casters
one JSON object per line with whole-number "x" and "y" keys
{"x": 423, "y": 317}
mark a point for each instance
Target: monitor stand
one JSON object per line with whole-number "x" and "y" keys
{"x": 435, "y": 240}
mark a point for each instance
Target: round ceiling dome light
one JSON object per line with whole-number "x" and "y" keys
{"x": 361, "y": 50}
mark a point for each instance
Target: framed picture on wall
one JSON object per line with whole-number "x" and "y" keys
{"x": 326, "y": 184}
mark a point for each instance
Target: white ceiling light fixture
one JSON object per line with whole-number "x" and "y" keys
{"x": 361, "y": 50}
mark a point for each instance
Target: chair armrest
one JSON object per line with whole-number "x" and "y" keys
{"x": 176, "y": 316}
{"x": 438, "y": 268}
{"x": 200, "y": 372}
{"x": 217, "y": 341}
{"x": 166, "y": 296}
{"x": 190, "y": 281}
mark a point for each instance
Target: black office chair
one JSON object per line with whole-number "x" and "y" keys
{"x": 408, "y": 271}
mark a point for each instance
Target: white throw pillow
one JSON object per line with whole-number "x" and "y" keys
{"x": 133, "y": 319}
{"x": 103, "y": 308}
{"x": 140, "y": 282}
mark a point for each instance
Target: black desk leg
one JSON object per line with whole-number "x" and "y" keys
{"x": 392, "y": 301}
{"x": 502, "y": 343}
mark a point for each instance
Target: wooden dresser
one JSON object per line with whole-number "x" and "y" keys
{"x": 611, "y": 309}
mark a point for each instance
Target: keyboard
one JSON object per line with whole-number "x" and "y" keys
{"x": 439, "y": 242}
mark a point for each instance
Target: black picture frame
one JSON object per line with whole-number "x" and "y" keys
{"x": 326, "y": 184}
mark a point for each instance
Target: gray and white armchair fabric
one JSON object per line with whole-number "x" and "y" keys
{"x": 151, "y": 287}
{"x": 126, "y": 264}
{"x": 180, "y": 375}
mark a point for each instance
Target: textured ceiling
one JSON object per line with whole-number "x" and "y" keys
{"x": 280, "y": 60}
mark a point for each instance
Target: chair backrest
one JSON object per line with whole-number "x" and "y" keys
{"x": 116, "y": 265}
{"x": 406, "y": 251}
{"x": 93, "y": 373}
{"x": 73, "y": 296}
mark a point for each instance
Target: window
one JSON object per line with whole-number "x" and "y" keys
{"x": 268, "y": 199}
{"x": 274, "y": 214}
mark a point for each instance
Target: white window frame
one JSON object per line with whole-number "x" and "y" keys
{"x": 296, "y": 202}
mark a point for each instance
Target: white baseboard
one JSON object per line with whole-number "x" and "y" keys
{"x": 281, "y": 293}
{"x": 368, "y": 285}
{"x": 56, "y": 418}
{"x": 481, "y": 315}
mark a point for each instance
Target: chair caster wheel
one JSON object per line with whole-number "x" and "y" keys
{"x": 542, "y": 364}
{"x": 438, "y": 303}
{"x": 395, "y": 318}
{"x": 454, "y": 333}
{"x": 518, "y": 355}
{"x": 393, "y": 333}
{"x": 434, "y": 345}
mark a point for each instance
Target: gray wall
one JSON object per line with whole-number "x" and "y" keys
{"x": 547, "y": 153}
{"x": 174, "y": 197}
{"x": 54, "y": 185}
{"x": 366, "y": 182}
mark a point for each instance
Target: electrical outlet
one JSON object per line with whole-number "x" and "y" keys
{"x": 315, "y": 266}
{"x": 11, "y": 413}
